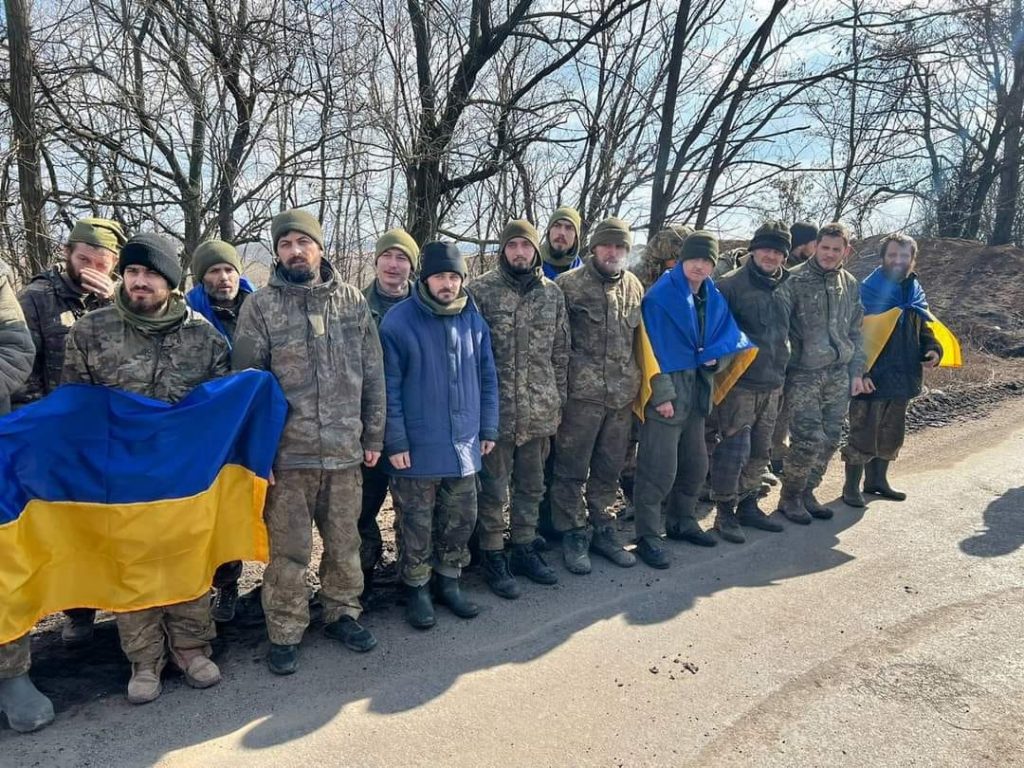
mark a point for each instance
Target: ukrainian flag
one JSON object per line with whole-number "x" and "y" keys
{"x": 116, "y": 501}
{"x": 884, "y": 305}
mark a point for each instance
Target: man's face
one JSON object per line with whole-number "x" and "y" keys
{"x": 802, "y": 252}
{"x": 697, "y": 270}
{"x": 768, "y": 259}
{"x": 830, "y": 251}
{"x": 445, "y": 287}
{"x": 897, "y": 261}
{"x": 300, "y": 256}
{"x": 393, "y": 269}
{"x": 562, "y": 236}
{"x": 520, "y": 254}
{"x": 610, "y": 258}
{"x": 84, "y": 256}
{"x": 147, "y": 291}
{"x": 221, "y": 282}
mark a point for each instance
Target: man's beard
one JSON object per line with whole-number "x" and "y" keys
{"x": 444, "y": 302}
{"x": 558, "y": 253}
{"x": 518, "y": 270}
{"x": 144, "y": 305}
{"x": 73, "y": 274}
{"x": 299, "y": 274}
{"x": 223, "y": 295}
{"x": 897, "y": 274}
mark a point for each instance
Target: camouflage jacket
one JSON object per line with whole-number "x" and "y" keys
{"x": 103, "y": 348}
{"x": 379, "y": 304}
{"x": 51, "y": 306}
{"x": 824, "y": 326}
{"x": 728, "y": 261}
{"x": 321, "y": 343}
{"x": 530, "y": 338}
{"x": 603, "y": 319}
{"x": 16, "y": 349}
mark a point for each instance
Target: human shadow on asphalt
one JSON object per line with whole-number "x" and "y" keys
{"x": 410, "y": 668}
{"x": 1003, "y": 533}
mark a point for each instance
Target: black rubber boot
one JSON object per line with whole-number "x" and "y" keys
{"x": 497, "y": 575}
{"x": 878, "y": 482}
{"x": 283, "y": 659}
{"x": 26, "y": 708}
{"x": 351, "y": 634}
{"x": 815, "y": 507}
{"x": 448, "y": 591}
{"x": 852, "y": 497}
{"x": 526, "y": 561}
{"x": 652, "y": 552}
{"x": 419, "y": 611}
{"x": 687, "y": 529}
{"x": 750, "y": 515}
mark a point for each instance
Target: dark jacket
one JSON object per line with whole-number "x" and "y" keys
{"x": 761, "y": 307}
{"x": 380, "y": 304}
{"x": 16, "y": 349}
{"x": 442, "y": 388}
{"x": 224, "y": 319}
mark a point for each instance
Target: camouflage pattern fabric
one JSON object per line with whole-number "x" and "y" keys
{"x": 825, "y": 324}
{"x": 818, "y": 401}
{"x": 186, "y": 626}
{"x": 16, "y": 349}
{"x": 877, "y": 430}
{"x": 15, "y": 658}
{"x": 522, "y": 466}
{"x": 745, "y": 422}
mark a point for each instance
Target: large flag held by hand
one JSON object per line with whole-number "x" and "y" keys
{"x": 116, "y": 501}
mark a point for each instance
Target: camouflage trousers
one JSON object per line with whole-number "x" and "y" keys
{"x": 15, "y": 658}
{"x": 745, "y": 421}
{"x": 818, "y": 401}
{"x": 672, "y": 464}
{"x": 437, "y": 520}
{"x": 375, "y": 490}
{"x": 146, "y": 635}
{"x": 522, "y": 466}
{"x": 302, "y": 497}
{"x": 589, "y": 450}
{"x": 877, "y": 430}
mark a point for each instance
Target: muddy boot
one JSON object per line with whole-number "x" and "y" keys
{"x": 497, "y": 575}
{"x": 526, "y": 561}
{"x": 687, "y": 529}
{"x": 78, "y": 627}
{"x": 145, "y": 685}
{"x": 877, "y": 481}
{"x": 448, "y": 591}
{"x": 749, "y": 515}
{"x": 726, "y": 523}
{"x": 199, "y": 671}
{"x": 224, "y": 604}
{"x": 26, "y": 708}
{"x": 574, "y": 551}
{"x": 852, "y": 497}
{"x": 283, "y": 659}
{"x": 351, "y": 634}
{"x": 419, "y": 610}
{"x": 605, "y": 542}
{"x": 815, "y": 507}
{"x": 791, "y": 505}
{"x": 653, "y": 552}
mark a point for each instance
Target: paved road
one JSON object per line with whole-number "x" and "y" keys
{"x": 890, "y": 637}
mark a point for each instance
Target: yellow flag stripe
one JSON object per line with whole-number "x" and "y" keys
{"x": 727, "y": 378}
{"x": 649, "y": 368}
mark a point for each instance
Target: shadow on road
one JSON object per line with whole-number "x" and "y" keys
{"x": 1004, "y": 527}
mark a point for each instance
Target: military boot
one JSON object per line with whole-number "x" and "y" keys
{"x": 419, "y": 610}
{"x": 78, "y": 627}
{"x": 749, "y": 515}
{"x": 687, "y": 529}
{"x": 26, "y": 708}
{"x": 726, "y": 523}
{"x": 199, "y": 670}
{"x": 145, "y": 685}
{"x": 224, "y": 604}
{"x": 448, "y": 591}
{"x": 351, "y": 634}
{"x": 574, "y": 551}
{"x": 852, "y": 496}
{"x": 527, "y": 561}
{"x": 653, "y": 552}
{"x": 283, "y": 659}
{"x": 497, "y": 575}
{"x": 605, "y": 542}
{"x": 877, "y": 481}
{"x": 815, "y": 507}
{"x": 792, "y": 506}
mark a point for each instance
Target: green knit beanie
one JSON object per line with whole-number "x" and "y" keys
{"x": 568, "y": 214}
{"x": 611, "y": 231}
{"x": 520, "y": 228}
{"x": 99, "y": 233}
{"x": 213, "y": 252}
{"x": 296, "y": 220}
{"x": 772, "y": 234}
{"x": 402, "y": 240}
{"x": 700, "y": 245}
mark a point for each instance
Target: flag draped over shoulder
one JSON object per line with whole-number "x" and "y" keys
{"x": 670, "y": 340}
{"x": 884, "y": 304}
{"x": 116, "y": 501}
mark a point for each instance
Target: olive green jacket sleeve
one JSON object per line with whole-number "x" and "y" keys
{"x": 17, "y": 351}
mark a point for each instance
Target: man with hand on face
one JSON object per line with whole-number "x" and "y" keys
{"x": 530, "y": 336}
{"x": 825, "y": 368}
{"x": 53, "y": 302}
{"x": 560, "y": 251}
{"x": 604, "y": 312}
{"x": 315, "y": 333}
{"x": 151, "y": 343}
{"x": 442, "y": 392}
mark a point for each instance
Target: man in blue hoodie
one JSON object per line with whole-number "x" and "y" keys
{"x": 442, "y": 416}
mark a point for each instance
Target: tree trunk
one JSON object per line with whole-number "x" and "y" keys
{"x": 1009, "y": 173}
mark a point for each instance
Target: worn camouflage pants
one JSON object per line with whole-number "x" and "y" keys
{"x": 145, "y": 635}
{"x": 437, "y": 520}
{"x": 375, "y": 490}
{"x": 521, "y": 466}
{"x": 818, "y": 401}
{"x": 745, "y": 421}
{"x": 589, "y": 450}
{"x": 15, "y": 658}
{"x": 301, "y": 497}
{"x": 877, "y": 430}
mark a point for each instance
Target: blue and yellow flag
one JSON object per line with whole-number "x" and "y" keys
{"x": 884, "y": 304}
{"x": 115, "y": 501}
{"x": 670, "y": 339}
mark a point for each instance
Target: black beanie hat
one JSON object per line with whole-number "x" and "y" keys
{"x": 153, "y": 251}
{"x": 772, "y": 234}
{"x": 803, "y": 232}
{"x": 700, "y": 245}
{"x": 437, "y": 257}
